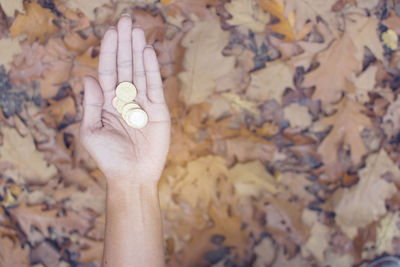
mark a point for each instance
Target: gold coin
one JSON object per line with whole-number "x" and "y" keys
{"x": 136, "y": 118}
{"x": 126, "y": 91}
{"x": 128, "y": 106}
{"x": 118, "y": 104}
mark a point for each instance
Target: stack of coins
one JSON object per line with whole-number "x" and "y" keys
{"x": 124, "y": 103}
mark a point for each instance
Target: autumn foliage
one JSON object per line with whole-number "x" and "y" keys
{"x": 285, "y": 130}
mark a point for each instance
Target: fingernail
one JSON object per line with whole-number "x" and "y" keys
{"x": 136, "y": 26}
{"x": 112, "y": 28}
{"x": 126, "y": 15}
{"x": 149, "y": 46}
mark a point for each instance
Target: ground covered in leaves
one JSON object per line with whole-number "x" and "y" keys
{"x": 285, "y": 140}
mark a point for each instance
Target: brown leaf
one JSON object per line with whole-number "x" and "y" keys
{"x": 365, "y": 202}
{"x": 347, "y": 124}
{"x": 330, "y": 78}
{"x": 12, "y": 253}
{"x": 28, "y": 216}
{"x": 41, "y": 18}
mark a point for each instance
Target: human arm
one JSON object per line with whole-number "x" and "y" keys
{"x": 131, "y": 159}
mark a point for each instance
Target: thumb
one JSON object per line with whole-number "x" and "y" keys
{"x": 92, "y": 104}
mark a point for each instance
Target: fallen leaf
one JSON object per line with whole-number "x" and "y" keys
{"x": 392, "y": 117}
{"x": 270, "y": 83}
{"x": 347, "y": 124}
{"x": 9, "y": 7}
{"x": 9, "y": 48}
{"x": 286, "y": 24}
{"x": 194, "y": 185}
{"x": 12, "y": 253}
{"x": 364, "y": 84}
{"x": 46, "y": 254}
{"x": 250, "y": 179}
{"x": 390, "y": 39}
{"x": 387, "y": 230}
{"x": 365, "y": 202}
{"x": 88, "y": 7}
{"x": 363, "y": 31}
{"x": 309, "y": 10}
{"x": 246, "y": 13}
{"x": 298, "y": 116}
{"x": 27, "y": 216}
{"x": 393, "y": 22}
{"x": 42, "y": 18}
{"x": 203, "y": 43}
{"x": 28, "y": 162}
{"x": 330, "y": 79}
{"x": 265, "y": 252}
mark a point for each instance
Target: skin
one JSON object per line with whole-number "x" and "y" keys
{"x": 131, "y": 159}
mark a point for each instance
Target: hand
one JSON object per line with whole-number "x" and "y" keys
{"x": 124, "y": 154}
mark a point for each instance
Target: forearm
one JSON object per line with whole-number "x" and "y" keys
{"x": 133, "y": 234}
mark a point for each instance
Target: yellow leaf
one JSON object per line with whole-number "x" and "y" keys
{"x": 203, "y": 61}
{"x": 246, "y": 13}
{"x": 390, "y": 39}
{"x": 270, "y": 83}
{"x": 37, "y": 23}
{"x": 250, "y": 179}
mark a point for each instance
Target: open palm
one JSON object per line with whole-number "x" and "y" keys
{"x": 121, "y": 152}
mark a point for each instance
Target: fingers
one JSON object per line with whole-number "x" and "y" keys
{"x": 92, "y": 104}
{"x": 107, "y": 65}
{"x": 124, "y": 58}
{"x": 155, "y": 91}
{"x": 139, "y": 76}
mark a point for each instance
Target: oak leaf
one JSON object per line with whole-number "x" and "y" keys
{"x": 9, "y": 48}
{"x": 28, "y": 216}
{"x": 388, "y": 229}
{"x": 393, "y": 22}
{"x": 364, "y": 33}
{"x": 298, "y": 116}
{"x": 364, "y": 84}
{"x": 337, "y": 64}
{"x": 27, "y": 162}
{"x": 392, "y": 118}
{"x": 364, "y": 203}
{"x": 88, "y": 7}
{"x": 41, "y": 18}
{"x": 270, "y": 83}
{"x": 347, "y": 124}
{"x": 246, "y": 13}
{"x": 12, "y": 253}
{"x": 195, "y": 185}
{"x": 251, "y": 179}
{"x": 203, "y": 61}
{"x": 309, "y": 10}
{"x": 9, "y": 7}
{"x": 286, "y": 24}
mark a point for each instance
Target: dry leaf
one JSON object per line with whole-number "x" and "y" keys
{"x": 393, "y": 116}
{"x": 309, "y": 10}
{"x": 337, "y": 64}
{"x": 203, "y": 61}
{"x": 390, "y": 39}
{"x": 347, "y": 124}
{"x": 27, "y": 162}
{"x": 35, "y": 216}
{"x": 270, "y": 83}
{"x": 251, "y": 179}
{"x": 393, "y": 22}
{"x": 42, "y": 18}
{"x": 365, "y": 202}
{"x": 88, "y": 7}
{"x": 286, "y": 25}
{"x": 9, "y": 7}
{"x": 298, "y": 116}
{"x": 246, "y": 13}
{"x": 363, "y": 31}
{"x": 195, "y": 185}
{"x": 364, "y": 84}
{"x": 8, "y": 49}
{"x": 12, "y": 253}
